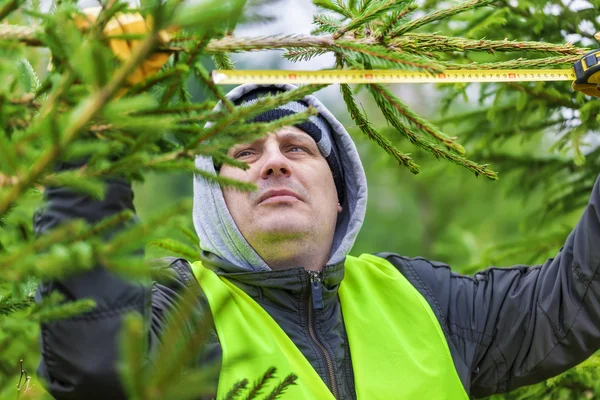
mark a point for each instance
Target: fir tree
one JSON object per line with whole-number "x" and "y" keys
{"x": 85, "y": 108}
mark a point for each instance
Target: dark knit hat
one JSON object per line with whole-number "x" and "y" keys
{"x": 316, "y": 127}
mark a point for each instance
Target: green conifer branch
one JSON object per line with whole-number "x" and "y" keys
{"x": 336, "y": 7}
{"x": 280, "y": 389}
{"x": 133, "y": 350}
{"x": 178, "y": 71}
{"x": 77, "y": 181}
{"x": 388, "y": 106}
{"x": 78, "y": 119}
{"x": 437, "y": 42}
{"x": 261, "y": 383}
{"x": 316, "y": 45}
{"x": 121, "y": 242}
{"x": 223, "y": 61}
{"x": 64, "y": 233}
{"x": 394, "y": 19}
{"x": 384, "y": 54}
{"x": 517, "y": 63}
{"x": 192, "y": 57}
{"x": 204, "y": 75}
{"x": 249, "y": 131}
{"x": 419, "y": 122}
{"x": 236, "y": 389}
{"x": 176, "y": 247}
{"x": 371, "y": 12}
{"x": 326, "y": 24}
{"x": 365, "y": 126}
{"x": 9, "y": 306}
{"x": 174, "y": 354}
{"x": 9, "y": 7}
{"x": 54, "y": 308}
{"x": 255, "y": 109}
{"x": 439, "y": 15}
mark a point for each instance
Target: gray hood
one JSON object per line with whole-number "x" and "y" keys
{"x": 218, "y": 232}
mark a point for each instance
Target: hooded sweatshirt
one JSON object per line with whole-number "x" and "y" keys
{"x": 219, "y": 235}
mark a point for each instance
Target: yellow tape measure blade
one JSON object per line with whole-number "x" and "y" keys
{"x": 225, "y": 77}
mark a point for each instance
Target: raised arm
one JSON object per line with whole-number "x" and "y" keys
{"x": 511, "y": 327}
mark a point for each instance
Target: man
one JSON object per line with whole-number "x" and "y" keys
{"x": 377, "y": 326}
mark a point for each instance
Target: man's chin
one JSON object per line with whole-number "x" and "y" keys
{"x": 285, "y": 224}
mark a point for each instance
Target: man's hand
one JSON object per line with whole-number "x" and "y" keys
{"x": 128, "y": 23}
{"x": 588, "y": 72}
{"x": 591, "y": 89}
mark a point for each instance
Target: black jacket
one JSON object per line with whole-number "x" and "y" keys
{"x": 506, "y": 327}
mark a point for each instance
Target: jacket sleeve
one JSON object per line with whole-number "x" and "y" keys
{"x": 511, "y": 327}
{"x": 79, "y": 354}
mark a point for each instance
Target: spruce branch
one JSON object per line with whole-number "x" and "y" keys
{"x": 9, "y": 306}
{"x": 9, "y": 7}
{"x": 439, "y": 15}
{"x": 277, "y": 42}
{"x": 223, "y": 61}
{"x": 65, "y": 233}
{"x": 371, "y": 12}
{"x": 23, "y": 34}
{"x": 326, "y": 24}
{"x": 176, "y": 247}
{"x": 78, "y": 119}
{"x": 393, "y": 20}
{"x": 204, "y": 75}
{"x": 517, "y": 63}
{"x": 389, "y": 106}
{"x": 176, "y": 350}
{"x": 437, "y": 42}
{"x": 236, "y": 389}
{"x": 365, "y": 126}
{"x": 280, "y": 389}
{"x": 317, "y": 45}
{"x": 70, "y": 309}
{"x": 122, "y": 241}
{"x": 133, "y": 348}
{"x": 260, "y": 106}
{"x": 260, "y": 384}
{"x": 192, "y": 57}
{"x": 336, "y": 7}
{"x": 419, "y": 122}
{"x": 380, "y": 52}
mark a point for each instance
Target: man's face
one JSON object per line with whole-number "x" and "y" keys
{"x": 296, "y": 196}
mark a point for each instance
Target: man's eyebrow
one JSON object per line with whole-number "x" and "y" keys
{"x": 259, "y": 140}
{"x": 287, "y": 135}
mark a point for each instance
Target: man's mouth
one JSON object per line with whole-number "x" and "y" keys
{"x": 278, "y": 196}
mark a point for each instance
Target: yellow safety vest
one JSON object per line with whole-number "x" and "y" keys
{"x": 398, "y": 348}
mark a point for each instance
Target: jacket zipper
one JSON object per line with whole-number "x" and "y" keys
{"x": 316, "y": 294}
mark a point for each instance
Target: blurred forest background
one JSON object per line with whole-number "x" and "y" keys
{"x": 541, "y": 138}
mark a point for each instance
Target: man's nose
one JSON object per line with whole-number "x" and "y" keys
{"x": 276, "y": 165}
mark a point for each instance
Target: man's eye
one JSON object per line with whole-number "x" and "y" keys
{"x": 243, "y": 153}
{"x": 296, "y": 149}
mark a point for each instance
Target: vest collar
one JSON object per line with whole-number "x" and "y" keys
{"x": 280, "y": 288}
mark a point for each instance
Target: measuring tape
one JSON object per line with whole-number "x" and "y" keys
{"x": 225, "y": 77}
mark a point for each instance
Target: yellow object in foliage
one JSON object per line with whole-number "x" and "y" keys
{"x": 128, "y": 23}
